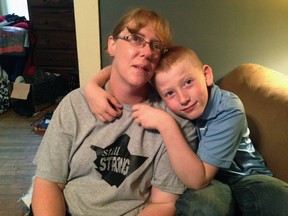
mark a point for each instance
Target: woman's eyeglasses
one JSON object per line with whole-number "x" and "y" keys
{"x": 138, "y": 41}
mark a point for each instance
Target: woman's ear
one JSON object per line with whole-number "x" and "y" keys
{"x": 208, "y": 73}
{"x": 111, "y": 46}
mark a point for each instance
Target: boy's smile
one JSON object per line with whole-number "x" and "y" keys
{"x": 184, "y": 87}
{"x": 190, "y": 108}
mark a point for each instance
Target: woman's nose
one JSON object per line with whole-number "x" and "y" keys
{"x": 147, "y": 51}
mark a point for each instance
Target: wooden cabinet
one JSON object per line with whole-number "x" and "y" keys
{"x": 53, "y": 24}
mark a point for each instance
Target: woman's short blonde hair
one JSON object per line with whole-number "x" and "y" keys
{"x": 142, "y": 17}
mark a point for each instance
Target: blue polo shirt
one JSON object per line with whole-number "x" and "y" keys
{"x": 224, "y": 137}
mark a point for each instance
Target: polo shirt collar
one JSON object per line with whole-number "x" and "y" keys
{"x": 213, "y": 103}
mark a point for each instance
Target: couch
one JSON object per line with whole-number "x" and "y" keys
{"x": 264, "y": 93}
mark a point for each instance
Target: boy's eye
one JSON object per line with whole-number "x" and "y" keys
{"x": 169, "y": 94}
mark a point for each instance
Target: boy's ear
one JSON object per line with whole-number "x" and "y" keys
{"x": 111, "y": 46}
{"x": 208, "y": 73}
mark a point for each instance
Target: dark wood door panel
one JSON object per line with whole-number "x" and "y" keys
{"x": 50, "y": 3}
{"x": 55, "y": 39}
{"x": 43, "y": 19}
{"x": 56, "y": 58}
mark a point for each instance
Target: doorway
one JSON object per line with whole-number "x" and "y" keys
{"x": 18, "y": 7}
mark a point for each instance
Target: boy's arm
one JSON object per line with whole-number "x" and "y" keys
{"x": 187, "y": 165}
{"x": 48, "y": 198}
{"x": 161, "y": 204}
{"x": 101, "y": 102}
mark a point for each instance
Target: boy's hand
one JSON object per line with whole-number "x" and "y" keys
{"x": 102, "y": 103}
{"x": 149, "y": 117}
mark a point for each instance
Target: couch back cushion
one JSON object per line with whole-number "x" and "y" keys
{"x": 264, "y": 93}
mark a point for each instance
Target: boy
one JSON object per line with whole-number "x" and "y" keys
{"x": 225, "y": 151}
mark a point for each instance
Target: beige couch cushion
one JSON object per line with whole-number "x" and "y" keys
{"x": 264, "y": 93}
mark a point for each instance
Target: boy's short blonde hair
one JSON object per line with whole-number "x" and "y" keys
{"x": 176, "y": 53}
{"x": 141, "y": 17}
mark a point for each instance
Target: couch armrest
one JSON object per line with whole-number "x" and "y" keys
{"x": 264, "y": 93}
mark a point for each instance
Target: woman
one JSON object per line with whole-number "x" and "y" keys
{"x": 85, "y": 167}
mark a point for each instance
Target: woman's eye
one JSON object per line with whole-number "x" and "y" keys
{"x": 136, "y": 39}
{"x": 156, "y": 46}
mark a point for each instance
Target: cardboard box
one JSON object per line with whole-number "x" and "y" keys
{"x": 20, "y": 90}
{"x": 31, "y": 98}
{"x": 27, "y": 100}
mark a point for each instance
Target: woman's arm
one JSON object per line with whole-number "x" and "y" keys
{"x": 187, "y": 165}
{"x": 102, "y": 103}
{"x": 48, "y": 198}
{"x": 161, "y": 204}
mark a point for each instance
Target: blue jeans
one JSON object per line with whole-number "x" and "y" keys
{"x": 255, "y": 195}
{"x": 261, "y": 195}
{"x": 215, "y": 200}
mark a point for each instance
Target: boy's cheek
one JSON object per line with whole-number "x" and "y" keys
{"x": 173, "y": 107}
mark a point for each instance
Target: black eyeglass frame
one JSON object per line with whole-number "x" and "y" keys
{"x": 143, "y": 42}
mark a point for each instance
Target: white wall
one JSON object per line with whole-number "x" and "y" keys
{"x": 18, "y": 7}
{"x": 88, "y": 41}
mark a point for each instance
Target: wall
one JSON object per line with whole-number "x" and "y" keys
{"x": 3, "y": 7}
{"x": 87, "y": 35}
{"x": 18, "y": 7}
{"x": 225, "y": 33}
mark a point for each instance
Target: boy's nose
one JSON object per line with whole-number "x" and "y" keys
{"x": 184, "y": 99}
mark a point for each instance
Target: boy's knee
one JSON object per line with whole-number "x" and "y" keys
{"x": 212, "y": 200}
{"x": 260, "y": 193}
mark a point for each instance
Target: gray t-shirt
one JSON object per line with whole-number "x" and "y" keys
{"x": 108, "y": 168}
